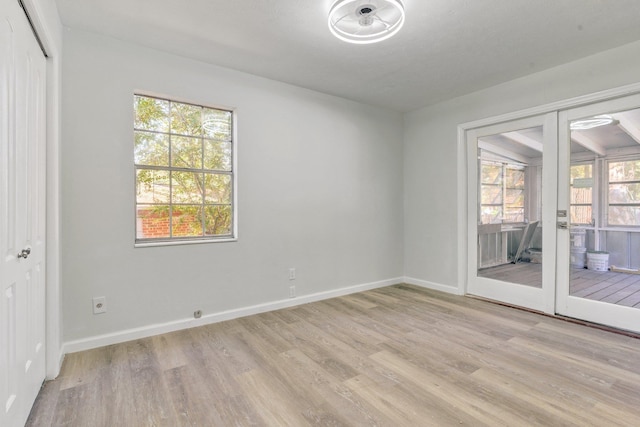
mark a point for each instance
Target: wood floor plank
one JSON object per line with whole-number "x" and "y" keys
{"x": 273, "y": 401}
{"x": 191, "y": 399}
{"x": 345, "y": 403}
{"x": 395, "y": 356}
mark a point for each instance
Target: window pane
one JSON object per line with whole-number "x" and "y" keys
{"x": 581, "y": 195}
{"x": 151, "y": 114}
{"x": 152, "y": 222}
{"x": 174, "y": 144}
{"x": 186, "y": 221}
{"x": 514, "y": 178}
{"x": 151, "y": 149}
{"x": 217, "y": 124}
{"x": 491, "y": 174}
{"x": 217, "y": 188}
{"x": 491, "y": 195}
{"x": 217, "y": 155}
{"x": 152, "y": 186}
{"x": 514, "y": 198}
{"x": 514, "y": 215}
{"x": 186, "y": 119}
{"x": 581, "y": 214}
{"x": 186, "y": 152}
{"x": 218, "y": 220}
{"x": 186, "y": 187}
{"x": 624, "y": 215}
{"x": 624, "y": 171}
{"x": 624, "y": 193}
{"x": 580, "y": 171}
{"x": 491, "y": 214}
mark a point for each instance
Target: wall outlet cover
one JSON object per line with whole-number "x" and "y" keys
{"x": 99, "y": 305}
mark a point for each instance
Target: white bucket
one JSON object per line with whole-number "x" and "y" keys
{"x": 598, "y": 261}
{"x": 578, "y": 238}
{"x": 535, "y": 255}
{"x": 578, "y": 257}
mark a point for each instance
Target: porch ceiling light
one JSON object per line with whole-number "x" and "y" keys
{"x": 592, "y": 122}
{"x": 366, "y": 21}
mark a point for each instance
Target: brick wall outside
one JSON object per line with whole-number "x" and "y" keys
{"x": 155, "y": 223}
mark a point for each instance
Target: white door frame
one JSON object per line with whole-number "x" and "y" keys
{"x": 47, "y": 34}
{"x": 463, "y": 188}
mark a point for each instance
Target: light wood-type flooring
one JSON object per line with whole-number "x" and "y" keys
{"x": 608, "y": 286}
{"x": 396, "y": 356}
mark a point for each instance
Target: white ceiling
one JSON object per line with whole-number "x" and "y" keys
{"x": 447, "y": 47}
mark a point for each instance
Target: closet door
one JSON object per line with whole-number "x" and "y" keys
{"x": 22, "y": 215}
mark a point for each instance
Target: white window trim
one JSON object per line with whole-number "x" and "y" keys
{"x": 605, "y": 194}
{"x": 595, "y": 191}
{"x": 504, "y": 165}
{"x": 234, "y": 180}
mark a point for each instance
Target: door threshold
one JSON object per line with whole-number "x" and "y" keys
{"x": 586, "y": 323}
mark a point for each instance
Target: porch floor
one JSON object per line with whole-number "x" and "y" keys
{"x": 608, "y": 286}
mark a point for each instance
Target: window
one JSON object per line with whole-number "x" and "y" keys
{"x": 501, "y": 193}
{"x": 183, "y": 158}
{"x": 582, "y": 194}
{"x": 624, "y": 193}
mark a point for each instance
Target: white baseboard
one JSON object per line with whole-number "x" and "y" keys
{"x": 433, "y": 286}
{"x": 161, "y": 328}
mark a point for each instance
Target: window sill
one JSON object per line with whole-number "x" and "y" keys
{"x": 183, "y": 242}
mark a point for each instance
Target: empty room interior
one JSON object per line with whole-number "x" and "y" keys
{"x": 320, "y": 212}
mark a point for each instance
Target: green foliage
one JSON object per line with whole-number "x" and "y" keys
{"x": 186, "y": 119}
{"x": 151, "y": 149}
{"x": 151, "y": 114}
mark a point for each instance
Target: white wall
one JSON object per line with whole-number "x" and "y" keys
{"x": 430, "y": 153}
{"x": 320, "y": 189}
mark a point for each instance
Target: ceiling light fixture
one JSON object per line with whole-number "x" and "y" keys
{"x": 366, "y": 21}
{"x": 592, "y": 122}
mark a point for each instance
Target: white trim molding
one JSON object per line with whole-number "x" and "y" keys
{"x": 433, "y": 286}
{"x": 180, "y": 324}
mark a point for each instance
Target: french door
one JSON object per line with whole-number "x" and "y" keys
{"x": 553, "y": 212}
{"x": 22, "y": 215}
{"x": 599, "y": 188}
{"x": 512, "y": 197}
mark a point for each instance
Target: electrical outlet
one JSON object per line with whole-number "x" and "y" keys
{"x": 197, "y": 314}
{"x": 99, "y": 305}
{"x": 292, "y": 274}
{"x": 292, "y": 291}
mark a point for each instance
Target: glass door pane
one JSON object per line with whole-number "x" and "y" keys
{"x": 509, "y": 236}
{"x": 602, "y": 144}
{"x": 508, "y": 187}
{"x": 606, "y": 248}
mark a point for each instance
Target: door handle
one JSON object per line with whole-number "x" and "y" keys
{"x": 562, "y": 225}
{"x": 24, "y": 253}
